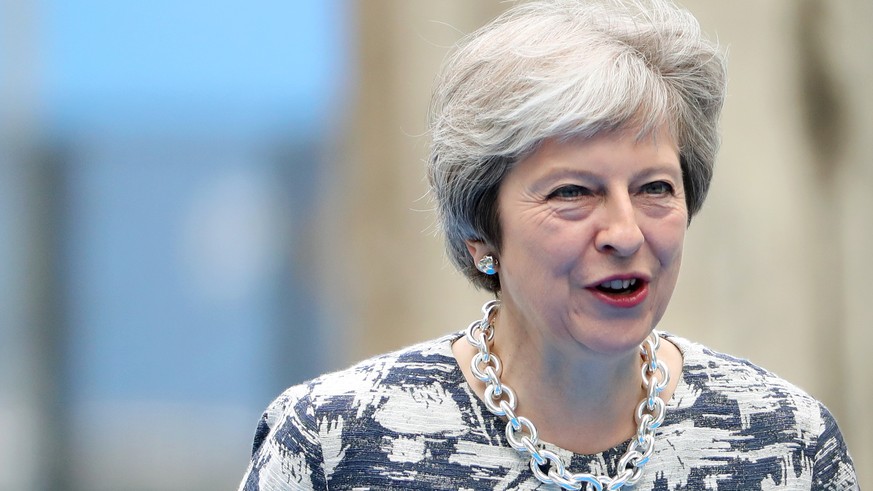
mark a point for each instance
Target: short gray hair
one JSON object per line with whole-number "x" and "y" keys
{"x": 566, "y": 69}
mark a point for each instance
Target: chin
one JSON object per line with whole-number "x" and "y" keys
{"x": 614, "y": 337}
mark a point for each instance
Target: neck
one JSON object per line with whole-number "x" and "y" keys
{"x": 580, "y": 400}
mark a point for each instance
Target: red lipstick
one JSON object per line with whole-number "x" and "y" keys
{"x": 623, "y": 299}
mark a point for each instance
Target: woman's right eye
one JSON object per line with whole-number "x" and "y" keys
{"x": 569, "y": 191}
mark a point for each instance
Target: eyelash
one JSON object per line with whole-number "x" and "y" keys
{"x": 663, "y": 187}
{"x": 572, "y": 191}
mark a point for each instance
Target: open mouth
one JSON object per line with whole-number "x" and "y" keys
{"x": 620, "y": 287}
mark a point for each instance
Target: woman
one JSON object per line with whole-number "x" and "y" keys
{"x": 572, "y": 144}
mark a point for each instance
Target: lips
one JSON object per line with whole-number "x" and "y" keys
{"x": 617, "y": 285}
{"x": 622, "y": 292}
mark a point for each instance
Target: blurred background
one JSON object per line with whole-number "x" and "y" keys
{"x": 202, "y": 203}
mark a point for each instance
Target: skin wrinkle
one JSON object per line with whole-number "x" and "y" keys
{"x": 616, "y": 217}
{"x": 561, "y": 70}
{"x": 573, "y": 363}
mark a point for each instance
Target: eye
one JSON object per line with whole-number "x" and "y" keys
{"x": 570, "y": 191}
{"x": 659, "y": 188}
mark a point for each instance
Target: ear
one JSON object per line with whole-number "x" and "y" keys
{"x": 477, "y": 249}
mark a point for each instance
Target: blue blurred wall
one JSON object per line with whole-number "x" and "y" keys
{"x": 182, "y": 142}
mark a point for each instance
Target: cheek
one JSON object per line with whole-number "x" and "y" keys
{"x": 553, "y": 244}
{"x": 667, "y": 238}
{"x": 668, "y": 245}
{"x": 536, "y": 256}
{"x": 530, "y": 228}
{"x": 675, "y": 244}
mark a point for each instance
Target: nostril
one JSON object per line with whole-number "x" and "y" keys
{"x": 620, "y": 239}
{"x": 621, "y": 248}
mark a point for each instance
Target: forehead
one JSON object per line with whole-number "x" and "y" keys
{"x": 660, "y": 134}
{"x": 605, "y": 152}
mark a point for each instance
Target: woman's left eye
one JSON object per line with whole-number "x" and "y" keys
{"x": 657, "y": 188}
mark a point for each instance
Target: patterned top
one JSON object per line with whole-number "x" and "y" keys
{"x": 409, "y": 420}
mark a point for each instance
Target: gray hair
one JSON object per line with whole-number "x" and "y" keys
{"x": 566, "y": 69}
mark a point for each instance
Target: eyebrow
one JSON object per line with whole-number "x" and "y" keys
{"x": 657, "y": 168}
{"x": 661, "y": 168}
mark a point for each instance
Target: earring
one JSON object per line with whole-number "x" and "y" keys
{"x": 487, "y": 265}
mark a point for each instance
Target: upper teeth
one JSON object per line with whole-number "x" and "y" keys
{"x": 618, "y": 284}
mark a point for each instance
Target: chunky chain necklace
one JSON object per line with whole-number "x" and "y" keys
{"x": 522, "y": 434}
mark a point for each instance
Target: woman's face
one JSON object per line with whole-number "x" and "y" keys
{"x": 592, "y": 239}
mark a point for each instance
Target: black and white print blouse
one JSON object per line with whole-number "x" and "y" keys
{"x": 409, "y": 420}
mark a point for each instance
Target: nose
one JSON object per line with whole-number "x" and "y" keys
{"x": 619, "y": 232}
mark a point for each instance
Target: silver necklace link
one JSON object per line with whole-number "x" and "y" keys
{"x": 522, "y": 435}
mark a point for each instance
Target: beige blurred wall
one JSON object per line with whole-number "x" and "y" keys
{"x": 777, "y": 265}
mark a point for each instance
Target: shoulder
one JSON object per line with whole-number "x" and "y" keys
{"x": 306, "y": 431}
{"x": 748, "y": 410}
{"x": 368, "y": 385}
{"x": 405, "y": 368}
{"x": 727, "y": 393}
{"x": 739, "y": 381}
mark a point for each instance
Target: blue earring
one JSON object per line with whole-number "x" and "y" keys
{"x": 487, "y": 265}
